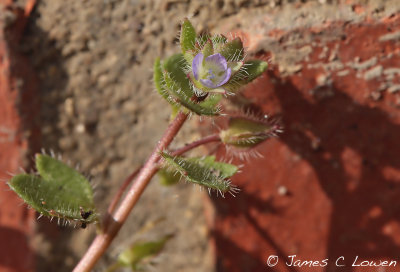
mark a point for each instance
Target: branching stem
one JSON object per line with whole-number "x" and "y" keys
{"x": 188, "y": 147}
{"x": 118, "y": 195}
{"x": 130, "y": 178}
{"x": 104, "y": 239}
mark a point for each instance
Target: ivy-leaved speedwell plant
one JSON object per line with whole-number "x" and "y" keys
{"x": 208, "y": 69}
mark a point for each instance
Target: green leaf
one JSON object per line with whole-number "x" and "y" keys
{"x": 67, "y": 179}
{"x": 208, "y": 49}
{"x": 204, "y": 171}
{"x": 235, "y": 66}
{"x": 247, "y": 73}
{"x": 159, "y": 83}
{"x": 188, "y": 36}
{"x": 226, "y": 170}
{"x": 140, "y": 251}
{"x": 174, "y": 86}
{"x": 186, "y": 101}
{"x": 219, "y": 40}
{"x": 60, "y": 191}
{"x": 189, "y": 56}
{"x": 211, "y": 102}
{"x": 208, "y": 108}
{"x": 175, "y": 108}
{"x": 175, "y": 66}
{"x": 168, "y": 178}
{"x": 233, "y": 50}
{"x": 254, "y": 69}
{"x": 178, "y": 83}
{"x": 201, "y": 41}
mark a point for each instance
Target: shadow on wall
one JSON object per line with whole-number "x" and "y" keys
{"x": 18, "y": 243}
{"x": 19, "y": 136}
{"x": 52, "y": 252}
{"x": 339, "y": 160}
{"x": 356, "y": 164}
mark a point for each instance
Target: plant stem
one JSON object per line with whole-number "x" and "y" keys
{"x": 117, "y": 197}
{"x": 104, "y": 239}
{"x": 122, "y": 189}
{"x": 188, "y": 147}
{"x": 129, "y": 179}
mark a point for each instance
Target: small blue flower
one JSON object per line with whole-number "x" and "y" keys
{"x": 212, "y": 72}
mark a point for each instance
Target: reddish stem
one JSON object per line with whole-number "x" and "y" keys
{"x": 117, "y": 197}
{"x": 188, "y": 147}
{"x": 122, "y": 189}
{"x": 129, "y": 179}
{"x": 103, "y": 240}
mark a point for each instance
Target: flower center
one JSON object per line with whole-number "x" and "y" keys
{"x": 210, "y": 74}
{"x": 212, "y": 71}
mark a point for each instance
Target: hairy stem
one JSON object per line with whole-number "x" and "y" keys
{"x": 104, "y": 239}
{"x": 188, "y": 147}
{"x": 122, "y": 189}
{"x": 117, "y": 197}
{"x": 130, "y": 178}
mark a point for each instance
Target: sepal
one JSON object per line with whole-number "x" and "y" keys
{"x": 246, "y": 132}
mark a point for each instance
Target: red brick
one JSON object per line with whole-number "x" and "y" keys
{"x": 17, "y": 133}
{"x": 338, "y": 158}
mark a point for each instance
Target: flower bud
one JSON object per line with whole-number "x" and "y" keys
{"x": 245, "y": 132}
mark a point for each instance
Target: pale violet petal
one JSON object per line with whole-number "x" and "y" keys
{"x": 216, "y": 60}
{"x": 224, "y": 78}
{"x": 208, "y": 83}
{"x": 196, "y": 65}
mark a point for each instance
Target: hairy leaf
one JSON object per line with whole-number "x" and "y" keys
{"x": 247, "y": 73}
{"x": 203, "y": 171}
{"x": 60, "y": 191}
{"x": 219, "y": 40}
{"x": 208, "y": 49}
{"x": 140, "y": 251}
{"x": 175, "y": 66}
{"x": 254, "y": 69}
{"x": 182, "y": 98}
{"x": 233, "y": 50}
{"x": 159, "y": 82}
{"x": 168, "y": 178}
{"x": 188, "y": 36}
{"x": 211, "y": 102}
